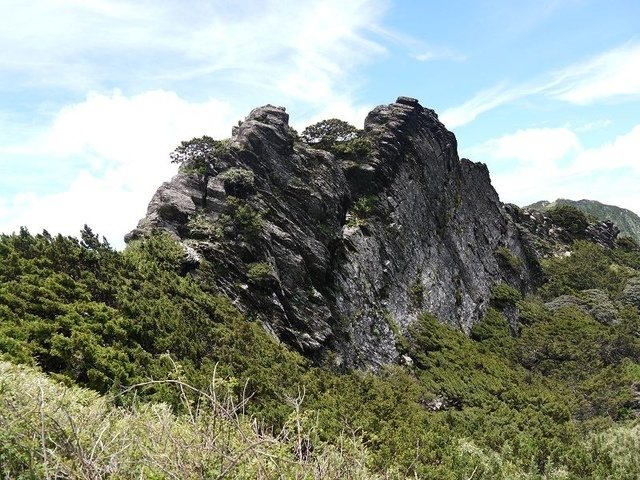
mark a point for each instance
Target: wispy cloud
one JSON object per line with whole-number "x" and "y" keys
{"x": 487, "y": 100}
{"x": 419, "y": 49}
{"x": 302, "y": 49}
{"x": 428, "y": 55}
{"x": 612, "y": 75}
{"x": 609, "y": 76}
{"x": 541, "y": 148}
{"x": 547, "y": 163}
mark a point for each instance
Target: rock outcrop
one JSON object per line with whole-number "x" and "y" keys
{"x": 625, "y": 220}
{"x": 337, "y": 255}
{"x": 548, "y": 239}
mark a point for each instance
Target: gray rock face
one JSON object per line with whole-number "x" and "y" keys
{"x": 338, "y": 256}
{"x": 603, "y": 233}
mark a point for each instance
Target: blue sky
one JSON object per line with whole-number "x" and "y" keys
{"x": 94, "y": 94}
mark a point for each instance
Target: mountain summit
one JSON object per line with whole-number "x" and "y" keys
{"x": 338, "y": 249}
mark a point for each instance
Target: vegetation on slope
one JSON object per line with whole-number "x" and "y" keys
{"x": 627, "y": 221}
{"x": 48, "y": 430}
{"x": 551, "y": 397}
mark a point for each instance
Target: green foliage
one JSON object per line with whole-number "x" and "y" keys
{"x": 238, "y": 182}
{"x": 589, "y": 266}
{"x": 260, "y": 274}
{"x": 358, "y": 148}
{"x": 51, "y": 431}
{"x": 550, "y": 403}
{"x": 507, "y": 258}
{"x": 201, "y": 157}
{"x": 631, "y": 293}
{"x": 416, "y": 293}
{"x": 494, "y": 334}
{"x": 503, "y": 294}
{"x": 339, "y": 137}
{"x": 240, "y": 220}
{"x": 570, "y": 218}
{"x": 199, "y": 226}
{"x": 627, "y": 243}
{"x": 585, "y": 355}
{"x": 326, "y": 133}
{"x": 362, "y": 210}
{"x": 103, "y": 319}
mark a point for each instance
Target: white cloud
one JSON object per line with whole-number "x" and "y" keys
{"x": 551, "y": 163}
{"x": 480, "y": 103}
{"x": 595, "y": 125}
{"x": 622, "y": 152}
{"x": 418, "y": 49}
{"x": 428, "y": 55}
{"x": 128, "y": 141}
{"x": 541, "y": 147}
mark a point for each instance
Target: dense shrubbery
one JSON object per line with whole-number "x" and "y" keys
{"x": 570, "y": 218}
{"x": 238, "y": 182}
{"x": 103, "y": 319}
{"x": 491, "y": 405}
{"x": 338, "y": 137}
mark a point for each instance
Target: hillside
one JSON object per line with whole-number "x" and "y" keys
{"x": 276, "y": 316}
{"x": 627, "y": 221}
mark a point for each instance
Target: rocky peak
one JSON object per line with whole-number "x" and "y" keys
{"x": 337, "y": 253}
{"x": 265, "y": 128}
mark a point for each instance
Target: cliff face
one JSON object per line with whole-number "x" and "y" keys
{"x": 336, "y": 256}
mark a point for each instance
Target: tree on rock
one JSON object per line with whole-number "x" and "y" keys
{"x": 201, "y": 157}
{"x": 327, "y": 133}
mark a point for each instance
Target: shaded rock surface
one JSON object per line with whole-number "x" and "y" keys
{"x": 340, "y": 284}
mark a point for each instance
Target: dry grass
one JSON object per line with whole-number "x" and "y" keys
{"x": 48, "y": 430}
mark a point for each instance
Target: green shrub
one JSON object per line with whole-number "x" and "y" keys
{"x": 340, "y": 138}
{"x": 503, "y": 294}
{"x": 358, "y": 148}
{"x": 631, "y": 292}
{"x": 260, "y": 274}
{"x": 507, "y": 258}
{"x": 362, "y": 210}
{"x": 241, "y": 220}
{"x": 238, "y": 182}
{"x": 51, "y": 431}
{"x": 199, "y": 226}
{"x": 589, "y": 266}
{"x": 327, "y": 133}
{"x": 416, "y": 293}
{"x": 571, "y": 219}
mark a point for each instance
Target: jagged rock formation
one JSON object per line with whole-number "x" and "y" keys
{"x": 548, "y": 239}
{"x": 627, "y": 221}
{"x": 337, "y": 255}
